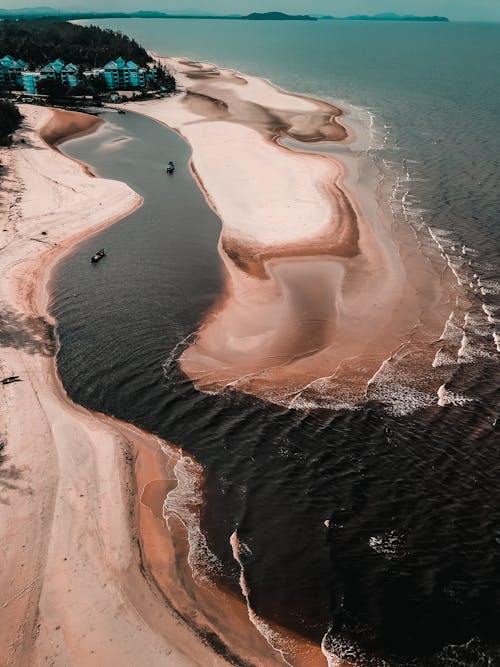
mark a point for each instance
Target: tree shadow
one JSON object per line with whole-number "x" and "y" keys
{"x": 9, "y": 476}
{"x": 34, "y": 335}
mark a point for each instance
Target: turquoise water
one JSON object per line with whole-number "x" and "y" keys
{"x": 408, "y": 571}
{"x": 434, "y": 90}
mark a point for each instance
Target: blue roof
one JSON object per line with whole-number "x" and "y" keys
{"x": 58, "y": 64}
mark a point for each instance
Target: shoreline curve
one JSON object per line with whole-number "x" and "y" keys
{"x": 325, "y": 293}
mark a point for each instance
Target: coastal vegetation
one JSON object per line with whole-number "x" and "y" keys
{"x": 45, "y": 45}
{"x": 42, "y": 40}
{"x": 278, "y": 16}
{"x": 10, "y": 119}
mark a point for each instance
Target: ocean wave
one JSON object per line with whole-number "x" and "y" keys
{"x": 185, "y": 502}
{"x": 273, "y": 638}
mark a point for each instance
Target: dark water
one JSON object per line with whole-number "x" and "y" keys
{"x": 408, "y": 570}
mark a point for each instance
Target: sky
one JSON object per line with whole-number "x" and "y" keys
{"x": 473, "y": 10}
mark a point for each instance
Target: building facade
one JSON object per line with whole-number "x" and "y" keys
{"x": 30, "y": 80}
{"x": 117, "y": 74}
{"x": 11, "y": 72}
{"x": 121, "y": 74}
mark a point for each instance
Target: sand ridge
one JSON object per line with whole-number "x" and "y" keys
{"x": 72, "y": 587}
{"x": 91, "y": 575}
{"x": 320, "y": 291}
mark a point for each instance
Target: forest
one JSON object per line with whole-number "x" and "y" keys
{"x": 40, "y": 41}
{"x": 10, "y": 119}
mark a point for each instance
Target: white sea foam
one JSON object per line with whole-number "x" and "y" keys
{"x": 402, "y": 400}
{"x": 322, "y": 393}
{"x": 489, "y": 286}
{"x": 443, "y": 359}
{"x": 395, "y": 389}
{"x": 274, "y": 639}
{"x": 476, "y": 340}
{"x": 446, "y": 397}
{"x": 337, "y": 651}
{"x": 327, "y": 650}
{"x": 387, "y": 544}
{"x": 466, "y": 250}
{"x": 496, "y": 338}
{"x": 326, "y": 403}
{"x": 184, "y": 502}
{"x": 491, "y": 313}
{"x": 379, "y": 371}
{"x": 448, "y": 248}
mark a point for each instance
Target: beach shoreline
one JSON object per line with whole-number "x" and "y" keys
{"x": 302, "y": 211}
{"x": 73, "y": 486}
{"x": 145, "y": 556}
{"x": 268, "y": 248}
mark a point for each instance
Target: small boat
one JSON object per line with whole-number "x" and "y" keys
{"x": 99, "y": 255}
{"x": 121, "y": 111}
{"x": 10, "y": 379}
{"x": 170, "y": 167}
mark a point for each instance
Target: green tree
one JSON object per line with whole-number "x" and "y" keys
{"x": 10, "y": 119}
{"x": 39, "y": 41}
{"x": 79, "y": 90}
{"x": 98, "y": 84}
{"x": 53, "y": 88}
{"x": 165, "y": 79}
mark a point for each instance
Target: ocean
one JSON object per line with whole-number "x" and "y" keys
{"x": 406, "y": 570}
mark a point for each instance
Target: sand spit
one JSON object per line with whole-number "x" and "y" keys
{"x": 323, "y": 289}
{"x": 90, "y": 574}
{"x": 73, "y": 586}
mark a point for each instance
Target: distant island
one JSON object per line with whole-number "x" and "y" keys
{"x": 278, "y": 16}
{"x": 60, "y": 15}
{"x": 389, "y": 17}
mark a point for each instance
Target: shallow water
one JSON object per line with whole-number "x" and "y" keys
{"x": 407, "y": 569}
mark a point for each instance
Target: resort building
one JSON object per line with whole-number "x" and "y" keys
{"x": 11, "y": 72}
{"x": 121, "y": 74}
{"x": 69, "y": 75}
{"x": 118, "y": 74}
{"x": 29, "y": 81}
{"x": 52, "y": 70}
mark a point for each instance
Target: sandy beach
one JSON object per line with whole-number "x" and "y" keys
{"x": 74, "y": 587}
{"x": 320, "y": 297}
{"x": 88, "y": 490}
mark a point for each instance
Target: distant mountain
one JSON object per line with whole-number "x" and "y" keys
{"x": 31, "y": 11}
{"x": 390, "y": 17}
{"x": 278, "y": 16}
{"x": 64, "y": 15}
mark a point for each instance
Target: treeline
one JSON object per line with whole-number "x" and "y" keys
{"x": 40, "y": 41}
{"x": 10, "y": 119}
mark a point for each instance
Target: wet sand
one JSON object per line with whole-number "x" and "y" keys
{"x": 74, "y": 588}
{"x": 89, "y": 489}
{"x": 323, "y": 289}
{"x": 320, "y": 295}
